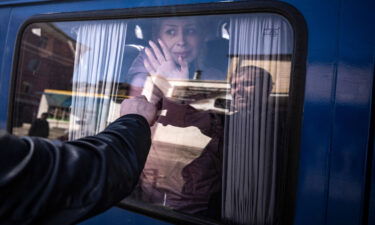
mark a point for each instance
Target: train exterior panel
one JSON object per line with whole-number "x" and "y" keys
{"x": 332, "y": 174}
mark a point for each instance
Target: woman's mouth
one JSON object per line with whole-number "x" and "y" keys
{"x": 183, "y": 54}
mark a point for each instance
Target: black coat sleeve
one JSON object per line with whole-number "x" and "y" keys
{"x": 52, "y": 182}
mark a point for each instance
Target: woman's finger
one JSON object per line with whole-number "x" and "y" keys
{"x": 151, "y": 58}
{"x": 184, "y": 67}
{"x": 166, "y": 52}
{"x": 149, "y": 67}
{"x": 158, "y": 54}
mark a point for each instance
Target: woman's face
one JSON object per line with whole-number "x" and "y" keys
{"x": 183, "y": 38}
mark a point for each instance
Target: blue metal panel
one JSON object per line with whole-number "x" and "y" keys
{"x": 336, "y": 117}
{"x": 371, "y": 214}
{"x": 317, "y": 118}
{"x": 147, "y": 2}
{"x": 4, "y": 50}
{"x": 352, "y": 113}
{"x": 14, "y": 2}
{"x": 117, "y": 216}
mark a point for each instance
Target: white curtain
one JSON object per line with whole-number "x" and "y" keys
{"x": 97, "y": 67}
{"x": 260, "y": 46}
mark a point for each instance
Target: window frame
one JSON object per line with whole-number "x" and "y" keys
{"x": 296, "y": 97}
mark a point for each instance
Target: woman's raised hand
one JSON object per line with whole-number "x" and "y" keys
{"x": 160, "y": 62}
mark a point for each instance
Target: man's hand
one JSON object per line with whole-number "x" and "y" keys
{"x": 139, "y": 105}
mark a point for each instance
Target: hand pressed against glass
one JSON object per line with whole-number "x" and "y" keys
{"x": 160, "y": 62}
{"x": 180, "y": 41}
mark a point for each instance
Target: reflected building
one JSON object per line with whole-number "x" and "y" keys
{"x": 47, "y": 56}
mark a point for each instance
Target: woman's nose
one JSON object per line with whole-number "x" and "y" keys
{"x": 181, "y": 39}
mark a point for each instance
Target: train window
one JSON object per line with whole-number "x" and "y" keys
{"x": 221, "y": 84}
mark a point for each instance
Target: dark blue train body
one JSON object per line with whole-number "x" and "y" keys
{"x": 335, "y": 164}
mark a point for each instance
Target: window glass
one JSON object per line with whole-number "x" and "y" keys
{"x": 221, "y": 85}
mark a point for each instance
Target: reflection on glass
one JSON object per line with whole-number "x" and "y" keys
{"x": 221, "y": 84}
{"x": 96, "y": 74}
{"x": 44, "y": 79}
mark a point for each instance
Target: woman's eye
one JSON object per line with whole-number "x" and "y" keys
{"x": 171, "y": 32}
{"x": 191, "y": 31}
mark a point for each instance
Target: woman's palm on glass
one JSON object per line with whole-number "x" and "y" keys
{"x": 160, "y": 62}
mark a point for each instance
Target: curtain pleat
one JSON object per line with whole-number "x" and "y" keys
{"x": 97, "y": 68}
{"x": 252, "y": 132}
